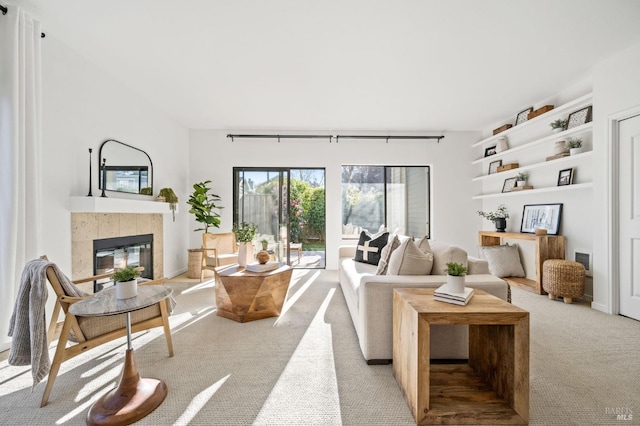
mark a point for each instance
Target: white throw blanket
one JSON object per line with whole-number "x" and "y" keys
{"x": 28, "y": 321}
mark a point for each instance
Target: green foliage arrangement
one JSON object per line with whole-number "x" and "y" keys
{"x": 500, "y": 213}
{"x": 125, "y": 274}
{"x": 522, "y": 176}
{"x": 203, "y": 206}
{"x": 171, "y": 198}
{"x": 146, "y": 191}
{"x": 456, "y": 269}
{"x": 558, "y": 124}
{"x": 574, "y": 143}
{"x": 244, "y": 232}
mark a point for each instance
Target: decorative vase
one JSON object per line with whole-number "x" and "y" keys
{"x": 575, "y": 151}
{"x": 557, "y": 130}
{"x": 501, "y": 144}
{"x": 262, "y": 257}
{"x": 245, "y": 253}
{"x": 559, "y": 148}
{"x": 126, "y": 289}
{"x": 521, "y": 183}
{"x": 501, "y": 224}
{"x": 455, "y": 284}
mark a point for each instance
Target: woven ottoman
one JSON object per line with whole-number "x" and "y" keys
{"x": 563, "y": 278}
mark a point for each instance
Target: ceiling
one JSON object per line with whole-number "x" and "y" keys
{"x": 338, "y": 64}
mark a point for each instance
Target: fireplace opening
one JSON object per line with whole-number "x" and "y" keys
{"x": 110, "y": 254}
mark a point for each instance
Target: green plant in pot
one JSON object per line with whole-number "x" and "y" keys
{"x": 146, "y": 191}
{"x": 265, "y": 244}
{"x": 126, "y": 282}
{"x": 521, "y": 178}
{"x": 171, "y": 198}
{"x": 574, "y": 145}
{"x": 203, "y": 206}
{"x": 455, "y": 276}
{"x": 245, "y": 232}
{"x": 558, "y": 125}
{"x": 498, "y": 217}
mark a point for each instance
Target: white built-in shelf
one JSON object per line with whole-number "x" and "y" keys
{"x": 568, "y": 107}
{"x": 117, "y": 205}
{"x": 552, "y": 137}
{"x": 576, "y": 186}
{"x": 568, "y": 158}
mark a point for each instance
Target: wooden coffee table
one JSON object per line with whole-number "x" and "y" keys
{"x": 248, "y": 296}
{"x": 493, "y": 388}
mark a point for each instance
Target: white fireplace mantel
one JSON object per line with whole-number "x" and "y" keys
{"x": 117, "y": 205}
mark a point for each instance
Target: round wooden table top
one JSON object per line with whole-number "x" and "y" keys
{"x": 105, "y": 302}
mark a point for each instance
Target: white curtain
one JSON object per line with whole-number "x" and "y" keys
{"x": 20, "y": 154}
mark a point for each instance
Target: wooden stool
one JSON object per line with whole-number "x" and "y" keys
{"x": 563, "y": 278}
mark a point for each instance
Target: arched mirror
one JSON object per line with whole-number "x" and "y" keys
{"x": 125, "y": 168}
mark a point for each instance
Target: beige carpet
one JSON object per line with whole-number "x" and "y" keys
{"x": 305, "y": 367}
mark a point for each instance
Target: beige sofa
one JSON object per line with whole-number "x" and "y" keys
{"x": 370, "y": 300}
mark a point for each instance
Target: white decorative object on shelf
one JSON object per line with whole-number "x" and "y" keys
{"x": 575, "y": 151}
{"x": 501, "y": 144}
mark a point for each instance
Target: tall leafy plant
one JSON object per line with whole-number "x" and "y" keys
{"x": 203, "y": 206}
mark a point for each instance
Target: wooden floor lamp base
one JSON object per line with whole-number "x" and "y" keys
{"x": 133, "y": 399}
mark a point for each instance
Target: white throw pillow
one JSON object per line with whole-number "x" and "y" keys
{"x": 408, "y": 259}
{"x": 504, "y": 261}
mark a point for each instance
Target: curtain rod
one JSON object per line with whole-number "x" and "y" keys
{"x": 4, "y": 11}
{"x": 330, "y": 137}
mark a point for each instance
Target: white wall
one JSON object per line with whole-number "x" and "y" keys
{"x": 213, "y": 156}
{"x": 82, "y": 107}
{"x": 616, "y": 89}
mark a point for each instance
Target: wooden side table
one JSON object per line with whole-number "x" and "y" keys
{"x": 493, "y": 388}
{"x": 546, "y": 247}
{"x": 134, "y": 397}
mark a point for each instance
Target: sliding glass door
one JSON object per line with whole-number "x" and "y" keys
{"x": 287, "y": 207}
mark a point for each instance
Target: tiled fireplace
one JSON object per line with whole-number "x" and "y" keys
{"x": 87, "y": 227}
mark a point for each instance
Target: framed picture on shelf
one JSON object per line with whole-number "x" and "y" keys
{"x": 493, "y": 166}
{"x": 579, "y": 117}
{"x": 565, "y": 177}
{"x": 541, "y": 216}
{"x": 509, "y": 184}
{"x": 490, "y": 150}
{"x": 523, "y": 116}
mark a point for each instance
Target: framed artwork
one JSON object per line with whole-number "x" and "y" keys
{"x": 509, "y": 184}
{"x": 493, "y": 166}
{"x": 541, "y": 216}
{"x": 490, "y": 150}
{"x": 579, "y": 117}
{"x": 523, "y": 116}
{"x": 565, "y": 177}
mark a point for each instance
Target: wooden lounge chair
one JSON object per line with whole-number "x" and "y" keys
{"x": 218, "y": 250}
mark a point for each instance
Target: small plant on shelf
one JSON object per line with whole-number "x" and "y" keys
{"x": 522, "y": 176}
{"x": 574, "y": 143}
{"x": 125, "y": 274}
{"x": 500, "y": 213}
{"x": 171, "y": 198}
{"x": 558, "y": 124}
{"x": 456, "y": 269}
{"x": 244, "y": 232}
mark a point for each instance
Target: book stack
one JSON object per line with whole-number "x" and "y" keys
{"x": 262, "y": 267}
{"x": 443, "y": 294}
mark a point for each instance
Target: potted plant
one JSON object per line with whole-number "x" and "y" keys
{"x": 455, "y": 277}
{"x": 146, "y": 190}
{"x": 126, "y": 280}
{"x": 498, "y": 217}
{"x": 558, "y": 125}
{"x": 167, "y": 195}
{"x": 574, "y": 145}
{"x": 521, "y": 179}
{"x": 265, "y": 244}
{"x": 244, "y": 235}
{"x": 203, "y": 206}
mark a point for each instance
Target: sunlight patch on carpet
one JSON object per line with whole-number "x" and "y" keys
{"x": 199, "y": 401}
{"x": 308, "y": 382}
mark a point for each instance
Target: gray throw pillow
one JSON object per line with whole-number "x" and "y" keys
{"x": 408, "y": 259}
{"x": 504, "y": 261}
{"x": 393, "y": 244}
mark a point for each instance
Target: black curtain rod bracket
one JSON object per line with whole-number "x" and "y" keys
{"x": 4, "y": 10}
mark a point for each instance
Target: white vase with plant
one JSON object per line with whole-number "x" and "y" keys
{"x": 126, "y": 280}
{"x": 498, "y": 217}
{"x": 244, "y": 236}
{"x": 521, "y": 179}
{"x": 455, "y": 277}
{"x": 574, "y": 145}
{"x": 558, "y": 125}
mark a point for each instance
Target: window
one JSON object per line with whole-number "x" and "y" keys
{"x": 395, "y": 196}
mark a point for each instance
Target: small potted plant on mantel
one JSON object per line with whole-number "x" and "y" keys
{"x": 574, "y": 145}
{"x": 498, "y": 217}
{"x": 558, "y": 125}
{"x": 126, "y": 280}
{"x": 455, "y": 277}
